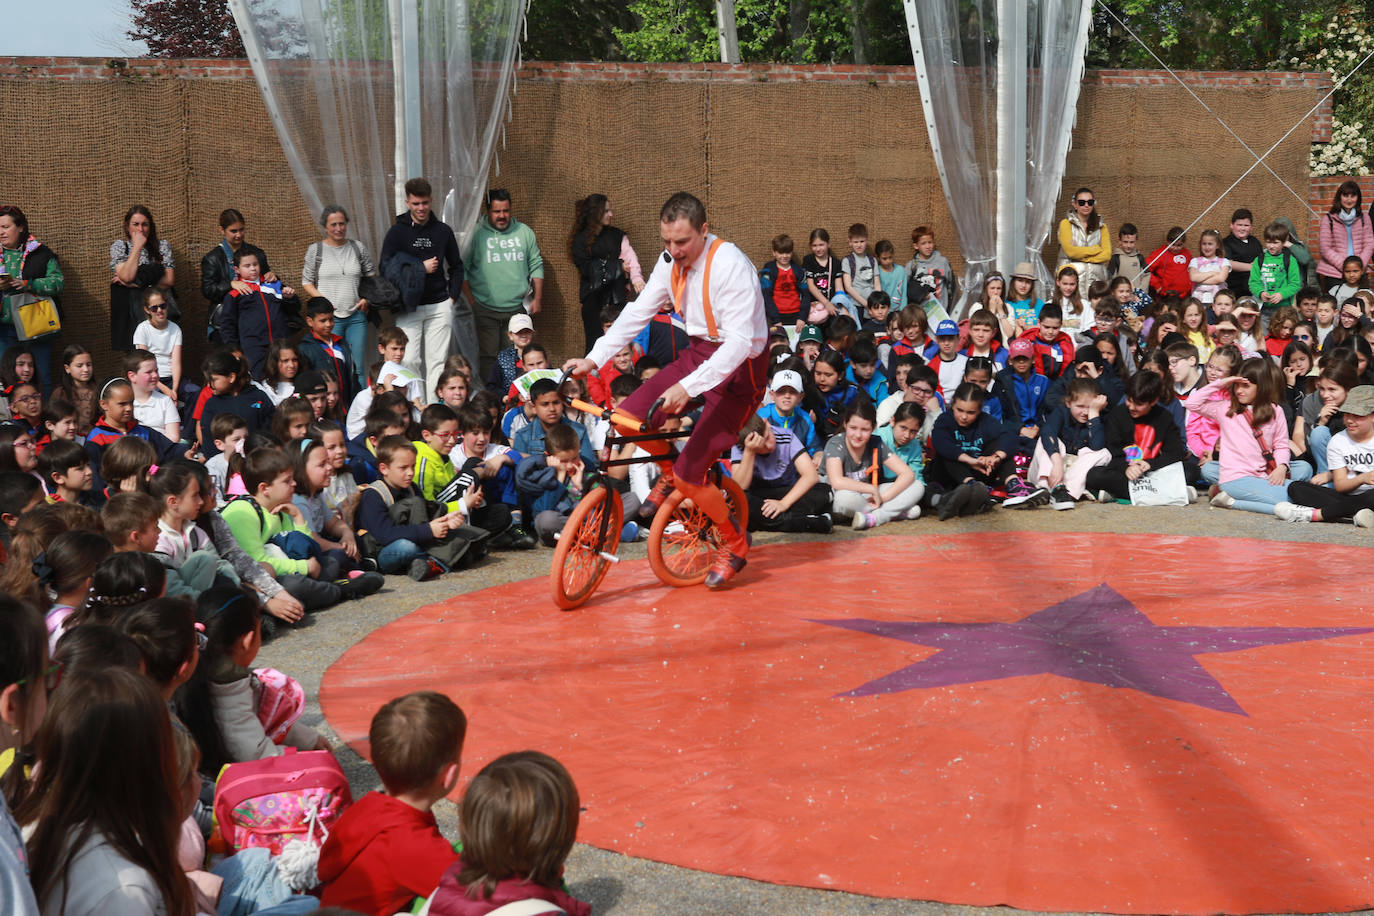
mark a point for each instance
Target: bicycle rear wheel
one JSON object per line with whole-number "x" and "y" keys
{"x": 591, "y": 530}
{"x": 683, "y": 540}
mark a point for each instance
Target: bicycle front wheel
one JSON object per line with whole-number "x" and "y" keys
{"x": 579, "y": 564}
{"x": 683, "y": 539}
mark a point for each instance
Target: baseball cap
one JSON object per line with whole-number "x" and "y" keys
{"x": 947, "y": 328}
{"x": 1359, "y": 401}
{"x": 1021, "y": 347}
{"x": 519, "y": 322}
{"x": 811, "y": 334}
{"x": 311, "y": 382}
{"x": 787, "y": 378}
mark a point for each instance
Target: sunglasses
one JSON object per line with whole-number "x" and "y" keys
{"x": 52, "y": 676}
{"x": 1087, "y": 202}
{"x": 157, "y": 308}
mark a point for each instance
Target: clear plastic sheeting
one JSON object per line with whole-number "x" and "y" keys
{"x": 975, "y": 113}
{"x": 341, "y": 80}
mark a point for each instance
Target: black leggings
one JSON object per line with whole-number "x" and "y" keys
{"x": 1109, "y": 478}
{"x": 952, "y": 472}
{"x": 813, "y": 502}
{"x": 1335, "y": 506}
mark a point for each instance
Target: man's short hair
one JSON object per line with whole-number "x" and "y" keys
{"x": 496, "y": 194}
{"x": 413, "y": 738}
{"x": 683, "y": 206}
{"x": 561, "y": 438}
{"x": 264, "y": 465}
{"x": 418, "y": 187}
{"x": 319, "y": 305}
{"x": 436, "y": 414}
{"x": 126, "y": 513}
{"x": 391, "y": 446}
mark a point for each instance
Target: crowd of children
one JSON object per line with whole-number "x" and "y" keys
{"x": 156, "y": 531}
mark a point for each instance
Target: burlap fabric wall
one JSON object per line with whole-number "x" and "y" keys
{"x": 766, "y": 158}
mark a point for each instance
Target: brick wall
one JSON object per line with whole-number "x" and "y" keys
{"x": 1145, "y": 146}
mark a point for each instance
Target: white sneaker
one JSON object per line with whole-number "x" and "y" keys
{"x": 863, "y": 521}
{"x": 1223, "y": 500}
{"x": 1104, "y": 497}
{"x": 1364, "y": 518}
{"x": 1292, "y": 513}
{"x": 915, "y": 512}
{"x": 1192, "y": 495}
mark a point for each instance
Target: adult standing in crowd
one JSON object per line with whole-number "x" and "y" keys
{"x": 420, "y": 255}
{"x": 30, "y": 267}
{"x": 1345, "y": 231}
{"x": 138, "y": 261}
{"x": 333, "y": 268}
{"x": 604, "y": 261}
{"x": 504, "y": 267}
{"x": 217, "y": 275}
{"x": 1085, "y": 243}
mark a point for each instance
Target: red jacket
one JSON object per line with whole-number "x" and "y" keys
{"x": 1046, "y": 361}
{"x": 381, "y": 855}
{"x": 1169, "y": 272}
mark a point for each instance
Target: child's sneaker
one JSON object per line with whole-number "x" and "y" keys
{"x": 1364, "y": 518}
{"x": 1105, "y": 497}
{"x": 1292, "y": 513}
{"x": 1222, "y": 500}
{"x": 824, "y": 524}
{"x": 629, "y": 533}
{"x": 1060, "y": 498}
{"x": 1192, "y": 495}
{"x": 864, "y": 520}
{"x": 952, "y": 503}
{"x": 1021, "y": 495}
{"x": 360, "y": 584}
{"x": 422, "y": 569}
{"x": 912, "y": 514}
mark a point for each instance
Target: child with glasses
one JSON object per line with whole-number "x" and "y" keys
{"x": 160, "y": 336}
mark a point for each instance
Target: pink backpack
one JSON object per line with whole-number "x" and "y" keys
{"x": 266, "y": 803}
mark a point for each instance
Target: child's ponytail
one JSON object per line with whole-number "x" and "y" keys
{"x": 228, "y": 614}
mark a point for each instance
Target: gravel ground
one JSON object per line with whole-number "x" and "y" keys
{"x": 617, "y": 884}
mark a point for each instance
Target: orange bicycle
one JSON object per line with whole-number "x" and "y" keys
{"x": 683, "y": 540}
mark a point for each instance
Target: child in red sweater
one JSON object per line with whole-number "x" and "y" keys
{"x": 1169, "y": 267}
{"x": 386, "y": 850}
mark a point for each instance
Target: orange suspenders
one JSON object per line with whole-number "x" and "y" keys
{"x": 679, "y": 289}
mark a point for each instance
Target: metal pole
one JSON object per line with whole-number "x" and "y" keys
{"x": 1011, "y": 132}
{"x": 405, "y": 63}
{"x": 725, "y": 27}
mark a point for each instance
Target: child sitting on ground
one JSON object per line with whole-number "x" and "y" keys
{"x": 517, "y": 825}
{"x": 231, "y": 393}
{"x": 458, "y": 489}
{"x": 152, "y": 408}
{"x": 386, "y": 849}
{"x": 780, "y": 481}
{"x": 402, "y": 545}
{"x": 1141, "y": 437}
{"x": 131, "y": 522}
{"x": 66, "y": 470}
{"x": 863, "y": 369}
{"x": 552, "y": 480}
{"x": 1072, "y": 441}
{"x": 973, "y": 455}
{"x": 854, "y": 462}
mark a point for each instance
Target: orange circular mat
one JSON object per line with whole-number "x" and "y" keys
{"x": 1089, "y": 722}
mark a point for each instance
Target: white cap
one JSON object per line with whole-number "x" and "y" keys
{"x": 520, "y": 322}
{"x": 787, "y": 378}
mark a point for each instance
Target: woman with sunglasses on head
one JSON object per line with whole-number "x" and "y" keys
{"x": 1085, "y": 244}
{"x": 28, "y": 270}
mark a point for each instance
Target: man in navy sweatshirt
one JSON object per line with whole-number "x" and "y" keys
{"x": 430, "y": 325}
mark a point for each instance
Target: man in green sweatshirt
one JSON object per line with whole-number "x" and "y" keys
{"x": 503, "y": 268}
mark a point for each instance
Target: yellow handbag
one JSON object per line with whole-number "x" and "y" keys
{"x": 35, "y": 317}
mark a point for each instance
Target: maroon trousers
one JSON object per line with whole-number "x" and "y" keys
{"x": 727, "y": 406}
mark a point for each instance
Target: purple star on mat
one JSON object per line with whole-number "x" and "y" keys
{"x": 1097, "y": 636}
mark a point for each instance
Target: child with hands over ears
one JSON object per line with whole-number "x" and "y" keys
{"x": 854, "y": 460}
{"x": 780, "y": 481}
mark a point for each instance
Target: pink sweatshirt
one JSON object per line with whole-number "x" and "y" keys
{"x": 1241, "y": 455}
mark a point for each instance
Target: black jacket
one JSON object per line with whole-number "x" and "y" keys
{"x": 215, "y": 275}
{"x": 432, "y": 240}
{"x": 1156, "y": 432}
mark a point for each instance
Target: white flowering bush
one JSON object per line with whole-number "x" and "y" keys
{"x": 1337, "y": 49}
{"x": 1346, "y": 154}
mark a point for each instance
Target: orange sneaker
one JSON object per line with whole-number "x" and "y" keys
{"x": 662, "y": 487}
{"x": 723, "y": 570}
